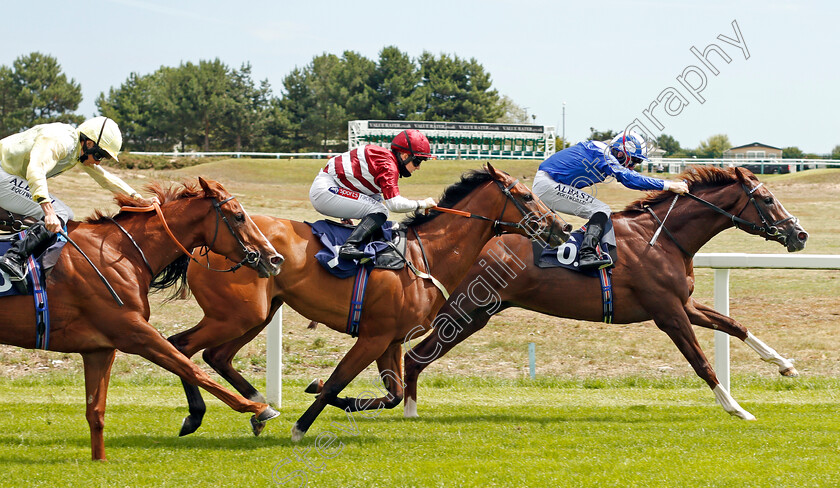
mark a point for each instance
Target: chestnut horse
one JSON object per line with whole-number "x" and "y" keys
{"x": 649, "y": 282}
{"x": 441, "y": 244}
{"x": 134, "y": 253}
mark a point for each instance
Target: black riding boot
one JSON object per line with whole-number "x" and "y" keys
{"x": 14, "y": 262}
{"x": 591, "y": 239}
{"x": 369, "y": 223}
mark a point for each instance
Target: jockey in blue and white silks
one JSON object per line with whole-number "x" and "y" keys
{"x": 561, "y": 178}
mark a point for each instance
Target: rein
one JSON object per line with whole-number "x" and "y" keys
{"x": 497, "y": 223}
{"x": 250, "y": 256}
{"x": 769, "y": 230}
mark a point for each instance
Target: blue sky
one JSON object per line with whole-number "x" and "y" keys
{"x": 609, "y": 61}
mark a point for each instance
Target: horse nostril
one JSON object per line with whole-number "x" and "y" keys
{"x": 567, "y": 228}
{"x": 802, "y": 236}
{"x": 277, "y": 260}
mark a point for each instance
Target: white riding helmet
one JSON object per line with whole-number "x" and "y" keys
{"x": 105, "y": 133}
{"x": 632, "y": 144}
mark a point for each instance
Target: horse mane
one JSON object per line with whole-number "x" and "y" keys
{"x": 453, "y": 194}
{"x": 697, "y": 178}
{"x": 176, "y": 272}
{"x": 166, "y": 192}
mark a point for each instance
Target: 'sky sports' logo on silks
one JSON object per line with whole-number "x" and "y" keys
{"x": 343, "y": 192}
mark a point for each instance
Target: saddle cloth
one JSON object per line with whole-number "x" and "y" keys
{"x": 566, "y": 255}
{"x": 380, "y": 249}
{"x": 46, "y": 260}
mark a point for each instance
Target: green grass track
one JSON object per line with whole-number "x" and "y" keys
{"x": 472, "y": 432}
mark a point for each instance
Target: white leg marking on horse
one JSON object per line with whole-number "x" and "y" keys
{"x": 410, "y": 409}
{"x": 730, "y": 405}
{"x": 297, "y": 434}
{"x": 770, "y": 355}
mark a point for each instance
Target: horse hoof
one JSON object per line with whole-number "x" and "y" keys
{"x": 744, "y": 415}
{"x": 267, "y": 414}
{"x": 256, "y": 426}
{"x": 189, "y": 426}
{"x": 790, "y": 372}
{"x": 297, "y": 434}
{"x": 315, "y": 387}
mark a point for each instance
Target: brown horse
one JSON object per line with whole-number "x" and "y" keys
{"x": 649, "y": 282}
{"x": 134, "y": 253}
{"x": 238, "y": 308}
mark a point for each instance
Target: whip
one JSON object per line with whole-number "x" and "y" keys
{"x": 662, "y": 224}
{"x": 101, "y": 277}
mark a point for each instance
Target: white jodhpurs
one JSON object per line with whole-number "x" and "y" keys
{"x": 567, "y": 199}
{"x": 16, "y": 197}
{"x": 330, "y": 199}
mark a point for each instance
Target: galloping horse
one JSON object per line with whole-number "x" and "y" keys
{"x": 440, "y": 244}
{"x": 649, "y": 282}
{"x": 133, "y": 252}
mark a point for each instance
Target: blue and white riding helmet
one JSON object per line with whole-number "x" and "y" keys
{"x": 633, "y": 145}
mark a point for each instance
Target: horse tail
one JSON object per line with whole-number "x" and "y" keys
{"x": 174, "y": 274}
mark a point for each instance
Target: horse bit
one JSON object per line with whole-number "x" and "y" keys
{"x": 251, "y": 257}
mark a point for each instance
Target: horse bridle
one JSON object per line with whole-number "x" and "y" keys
{"x": 770, "y": 230}
{"x": 498, "y": 223}
{"x": 251, "y": 257}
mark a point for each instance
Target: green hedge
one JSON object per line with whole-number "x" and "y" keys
{"x": 137, "y": 161}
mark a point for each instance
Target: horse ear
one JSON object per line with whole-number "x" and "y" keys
{"x": 492, "y": 171}
{"x": 743, "y": 174}
{"x": 208, "y": 190}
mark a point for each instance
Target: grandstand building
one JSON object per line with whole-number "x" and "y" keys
{"x": 462, "y": 140}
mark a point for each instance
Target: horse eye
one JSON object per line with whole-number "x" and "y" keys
{"x": 528, "y": 197}
{"x": 768, "y": 200}
{"x": 239, "y": 217}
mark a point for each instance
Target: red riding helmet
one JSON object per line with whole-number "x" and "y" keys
{"x": 413, "y": 142}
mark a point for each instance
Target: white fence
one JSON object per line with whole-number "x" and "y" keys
{"x": 720, "y": 262}
{"x": 236, "y": 154}
{"x": 670, "y": 165}
{"x": 723, "y": 262}
{"x": 757, "y": 166}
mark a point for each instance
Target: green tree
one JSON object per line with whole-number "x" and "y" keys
{"x": 835, "y": 153}
{"x": 134, "y": 107}
{"x": 668, "y": 144}
{"x": 245, "y": 110}
{"x": 714, "y": 146}
{"x": 792, "y": 152}
{"x": 512, "y": 113}
{"x": 326, "y": 117}
{"x": 395, "y": 81}
{"x": 457, "y": 90}
{"x": 354, "y": 86}
{"x": 293, "y": 107}
{"x": 192, "y": 99}
{"x": 11, "y": 115}
{"x": 596, "y": 135}
{"x": 35, "y": 91}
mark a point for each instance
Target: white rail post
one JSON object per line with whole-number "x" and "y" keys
{"x": 721, "y": 338}
{"x": 274, "y": 360}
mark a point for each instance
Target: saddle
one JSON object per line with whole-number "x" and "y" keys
{"x": 11, "y": 222}
{"x": 566, "y": 255}
{"x": 386, "y": 247}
